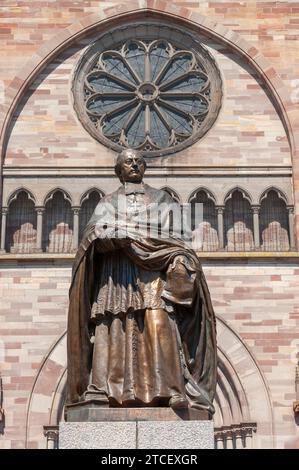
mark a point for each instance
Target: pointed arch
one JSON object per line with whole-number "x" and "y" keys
{"x": 204, "y": 221}
{"x": 274, "y": 224}
{"x": 243, "y": 191}
{"x": 14, "y": 194}
{"x": 87, "y": 194}
{"x": 210, "y": 194}
{"x": 52, "y": 192}
{"x": 21, "y": 229}
{"x": 172, "y": 193}
{"x": 238, "y": 221}
{"x": 237, "y": 400}
{"x": 57, "y": 222}
{"x": 88, "y": 203}
{"x": 157, "y": 9}
{"x": 280, "y": 193}
{"x": 161, "y": 10}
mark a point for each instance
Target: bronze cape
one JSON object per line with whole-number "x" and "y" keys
{"x": 148, "y": 353}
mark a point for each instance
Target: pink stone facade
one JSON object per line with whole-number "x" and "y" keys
{"x": 252, "y": 145}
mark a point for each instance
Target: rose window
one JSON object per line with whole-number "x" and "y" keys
{"x": 149, "y": 95}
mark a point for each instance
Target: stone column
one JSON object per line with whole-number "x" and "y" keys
{"x": 39, "y": 228}
{"x": 220, "y": 210}
{"x": 52, "y": 435}
{"x": 247, "y": 431}
{"x": 229, "y": 440}
{"x": 291, "y": 227}
{"x": 219, "y": 440}
{"x": 238, "y": 438}
{"x": 256, "y": 226}
{"x": 76, "y": 211}
{"x": 3, "y": 228}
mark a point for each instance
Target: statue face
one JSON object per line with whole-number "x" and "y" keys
{"x": 132, "y": 168}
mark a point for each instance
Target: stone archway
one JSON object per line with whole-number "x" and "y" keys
{"x": 242, "y": 394}
{"x": 106, "y": 17}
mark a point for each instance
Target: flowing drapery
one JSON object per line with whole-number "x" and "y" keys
{"x": 185, "y": 288}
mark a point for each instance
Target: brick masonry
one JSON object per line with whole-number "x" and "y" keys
{"x": 258, "y": 299}
{"x": 47, "y": 132}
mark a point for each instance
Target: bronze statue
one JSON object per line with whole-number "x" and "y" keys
{"x": 141, "y": 327}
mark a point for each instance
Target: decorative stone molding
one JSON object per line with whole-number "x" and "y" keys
{"x": 145, "y": 94}
{"x": 46, "y": 406}
{"x": 15, "y": 194}
{"x": 52, "y": 435}
{"x": 164, "y": 11}
{"x": 236, "y": 436}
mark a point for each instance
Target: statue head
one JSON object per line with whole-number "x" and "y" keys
{"x": 130, "y": 166}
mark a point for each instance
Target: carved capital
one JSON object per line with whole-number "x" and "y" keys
{"x": 52, "y": 434}
{"x": 40, "y": 210}
{"x": 219, "y": 209}
{"x": 256, "y": 209}
{"x": 290, "y": 209}
{"x": 76, "y": 210}
{"x": 4, "y": 210}
{"x": 248, "y": 428}
{"x": 296, "y": 407}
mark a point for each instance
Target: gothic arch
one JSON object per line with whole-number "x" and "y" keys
{"x": 244, "y": 193}
{"x": 208, "y": 192}
{"x": 172, "y": 192}
{"x": 87, "y": 193}
{"x": 242, "y": 391}
{"x": 51, "y": 193}
{"x": 281, "y": 194}
{"x": 13, "y": 195}
{"x": 153, "y": 8}
{"x": 106, "y": 17}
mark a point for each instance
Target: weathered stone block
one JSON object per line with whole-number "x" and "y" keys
{"x": 137, "y": 435}
{"x": 101, "y": 435}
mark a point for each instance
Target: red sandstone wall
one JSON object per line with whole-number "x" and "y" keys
{"x": 269, "y": 25}
{"x": 33, "y": 315}
{"x": 259, "y": 300}
{"x": 253, "y": 133}
{"x": 247, "y": 132}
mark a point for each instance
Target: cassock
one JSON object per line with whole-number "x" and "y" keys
{"x": 141, "y": 326}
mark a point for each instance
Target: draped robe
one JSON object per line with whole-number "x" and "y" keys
{"x": 141, "y": 326}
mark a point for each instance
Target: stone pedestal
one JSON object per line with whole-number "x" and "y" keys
{"x": 91, "y": 427}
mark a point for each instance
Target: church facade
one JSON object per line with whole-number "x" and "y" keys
{"x": 208, "y": 91}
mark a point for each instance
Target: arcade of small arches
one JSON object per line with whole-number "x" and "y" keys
{"x": 235, "y": 225}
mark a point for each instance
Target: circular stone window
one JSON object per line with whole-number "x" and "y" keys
{"x": 153, "y": 89}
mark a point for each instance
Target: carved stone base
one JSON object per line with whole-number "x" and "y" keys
{"x": 90, "y": 426}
